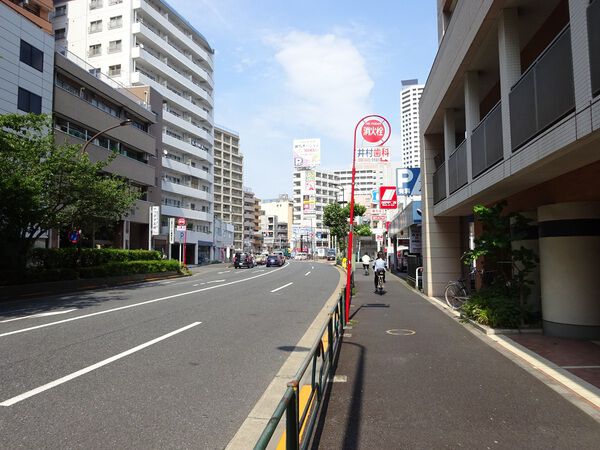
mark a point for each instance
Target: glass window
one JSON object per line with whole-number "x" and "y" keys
{"x": 95, "y": 26}
{"x": 114, "y": 46}
{"x": 60, "y": 10}
{"x": 60, "y": 33}
{"x": 95, "y": 50}
{"x": 95, "y": 4}
{"x": 32, "y": 56}
{"x": 115, "y": 22}
{"x": 29, "y": 102}
{"x": 114, "y": 71}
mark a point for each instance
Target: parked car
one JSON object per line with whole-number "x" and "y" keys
{"x": 301, "y": 256}
{"x": 243, "y": 260}
{"x": 331, "y": 255}
{"x": 275, "y": 260}
{"x": 261, "y": 259}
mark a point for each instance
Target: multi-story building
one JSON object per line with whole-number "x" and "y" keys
{"x": 511, "y": 112}
{"x": 147, "y": 42}
{"x": 223, "y": 240}
{"x": 27, "y": 57}
{"x": 84, "y": 104}
{"x": 281, "y": 207}
{"x": 313, "y": 190}
{"x": 229, "y": 171}
{"x": 409, "y": 122}
{"x": 252, "y": 237}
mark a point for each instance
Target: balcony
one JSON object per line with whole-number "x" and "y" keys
{"x": 457, "y": 168}
{"x": 535, "y": 102}
{"x": 439, "y": 184}
{"x": 187, "y": 169}
{"x": 175, "y": 211}
{"x": 486, "y": 142}
{"x": 187, "y": 125}
{"x": 186, "y": 190}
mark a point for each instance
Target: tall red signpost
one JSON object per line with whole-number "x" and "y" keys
{"x": 375, "y": 130}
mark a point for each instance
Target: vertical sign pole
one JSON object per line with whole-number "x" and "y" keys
{"x": 184, "y": 244}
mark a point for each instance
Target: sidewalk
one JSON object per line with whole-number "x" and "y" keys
{"x": 411, "y": 376}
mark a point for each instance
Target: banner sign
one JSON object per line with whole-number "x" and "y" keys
{"x": 374, "y": 155}
{"x": 408, "y": 181}
{"x": 155, "y": 220}
{"x": 171, "y": 230}
{"x": 387, "y": 197}
{"x": 308, "y": 204}
{"x": 415, "y": 239}
{"x": 307, "y": 153}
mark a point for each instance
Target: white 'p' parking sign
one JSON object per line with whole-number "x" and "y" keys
{"x": 408, "y": 181}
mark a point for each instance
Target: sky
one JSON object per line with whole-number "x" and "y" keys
{"x": 288, "y": 70}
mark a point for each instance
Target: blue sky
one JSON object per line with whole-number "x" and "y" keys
{"x": 289, "y": 70}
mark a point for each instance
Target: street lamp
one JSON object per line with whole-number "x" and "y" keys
{"x": 90, "y": 140}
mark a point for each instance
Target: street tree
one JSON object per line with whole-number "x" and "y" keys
{"x": 337, "y": 218}
{"x": 46, "y": 186}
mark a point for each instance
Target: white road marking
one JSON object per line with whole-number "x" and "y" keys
{"x": 281, "y": 287}
{"x": 33, "y": 316}
{"x": 259, "y": 270}
{"x": 307, "y": 273}
{"x": 147, "y": 302}
{"x": 227, "y": 271}
{"x": 194, "y": 285}
{"x": 166, "y": 282}
{"x": 340, "y": 379}
{"x": 580, "y": 367}
{"x": 312, "y": 267}
{"x": 215, "y": 281}
{"x": 73, "y": 375}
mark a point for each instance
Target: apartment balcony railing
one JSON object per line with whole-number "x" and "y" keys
{"x": 439, "y": 183}
{"x": 457, "y": 168}
{"x": 545, "y": 92}
{"x": 486, "y": 142}
{"x": 593, "y": 19}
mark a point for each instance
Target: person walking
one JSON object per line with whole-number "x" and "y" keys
{"x": 366, "y": 260}
{"x": 379, "y": 265}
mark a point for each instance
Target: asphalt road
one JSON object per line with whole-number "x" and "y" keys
{"x": 167, "y": 364}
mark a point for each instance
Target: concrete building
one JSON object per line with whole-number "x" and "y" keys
{"x": 223, "y": 240}
{"x": 27, "y": 64}
{"x": 83, "y": 105}
{"x": 409, "y": 122}
{"x": 252, "y": 237}
{"x": 313, "y": 190}
{"x": 146, "y": 42}
{"x": 229, "y": 172}
{"x": 511, "y": 111}
{"x": 281, "y": 207}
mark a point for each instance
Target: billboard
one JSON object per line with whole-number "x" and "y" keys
{"x": 387, "y": 197}
{"x": 374, "y": 155}
{"x": 307, "y": 153}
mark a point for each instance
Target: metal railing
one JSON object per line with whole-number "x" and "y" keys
{"x": 457, "y": 168}
{"x": 300, "y": 422}
{"x": 439, "y": 183}
{"x": 487, "y": 146}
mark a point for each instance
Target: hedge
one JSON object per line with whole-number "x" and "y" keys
{"x": 70, "y": 257}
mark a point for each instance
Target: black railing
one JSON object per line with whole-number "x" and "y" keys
{"x": 457, "y": 168}
{"x": 486, "y": 142}
{"x": 545, "y": 93}
{"x": 593, "y": 21}
{"x": 439, "y": 183}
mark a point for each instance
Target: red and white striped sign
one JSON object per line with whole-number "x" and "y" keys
{"x": 387, "y": 197}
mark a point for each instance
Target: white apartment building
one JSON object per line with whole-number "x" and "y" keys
{"x": 146, "y": 42}
{"x": 228, "y": 187}
{"x": 409, "y": 122}
{"x": 281, "y": 207}
{"x": 27, "y": 58}
{"x": 310, "y": 198}
{"x": 252, "y": 237}
{"x": 511, "y": 112}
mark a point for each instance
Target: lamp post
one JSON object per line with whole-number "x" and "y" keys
{"x": 90, "y": 140}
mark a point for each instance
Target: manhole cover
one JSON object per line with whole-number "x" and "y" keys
{"x": 401, "y": 332}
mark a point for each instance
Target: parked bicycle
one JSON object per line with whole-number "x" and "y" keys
{"x": 457, "y": 292}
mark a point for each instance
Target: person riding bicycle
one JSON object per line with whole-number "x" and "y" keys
{"x": 379, "y": 265}
{"x": 366, "y": 259}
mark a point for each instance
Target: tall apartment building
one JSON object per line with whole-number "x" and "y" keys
{"x": 310, "y": 198}
{"x": 229, "y": 172}
{"x": 281, "y": 207}
{"x": 252, "y": 238}
{"x": 409, "y": 122}
{"x": 27, "y": 57}
{"x": 146, "y": 42}
{"x": 511, "y": 112}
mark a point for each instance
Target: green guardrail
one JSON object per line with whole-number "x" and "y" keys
{"x": 300, "y": 425}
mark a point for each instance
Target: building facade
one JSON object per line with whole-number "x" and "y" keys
{"x": 252, "y": 237}
{"x": 229, "y": 172}
{"x": 511, "y": 112}
{"x": 409, "y": 122}
{"x": 27, "y": 49}
{"x": 146, "y": 42}
{"x": 281, "y": 207}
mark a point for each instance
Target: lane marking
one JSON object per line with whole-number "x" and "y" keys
{"x": 194, "y": 285}
{"x": 34, "y": 316}
{"x": 215, "y": 281}
{"x": 580, "y": 367}
{"x": 147, "y": 302}
{"x": 281, "y": 287}
{"x": 259, "y": 270}
{"x": 45, "y": 387}
{"x": 227, "y": 271}
{"x": 307, "y": 273}
{"x": 167, "y": 282}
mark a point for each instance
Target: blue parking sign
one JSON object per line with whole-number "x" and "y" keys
{"x": 408, "y": 181}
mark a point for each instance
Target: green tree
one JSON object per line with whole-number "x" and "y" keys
{"x": 336, "y": 219}
{"x": 47, "y": 186}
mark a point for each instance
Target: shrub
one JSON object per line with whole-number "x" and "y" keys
{"x": 129, "y": 267}
{"x": 492, "y": 307}
{"x": 55, "y": 258}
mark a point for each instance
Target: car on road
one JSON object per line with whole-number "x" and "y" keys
{"x": 261, "y": 259}
{"x": 275, "y": 260}
{"x": 331, "y": 255}
{"x": 243, "y": 260}
{"x": 301, "y": 256}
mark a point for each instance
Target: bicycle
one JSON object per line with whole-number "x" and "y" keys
{"x": 380, "y": 281}
{"x": 366, "y": 269}
{"x": 457, "y": 292}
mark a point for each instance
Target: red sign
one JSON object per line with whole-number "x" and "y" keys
{"x": 373, "y": 131}
{"x": 387, "y": 197}
{"x": 181, "y": 221}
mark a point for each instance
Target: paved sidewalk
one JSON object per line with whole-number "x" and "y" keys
{"x": 417, "y": 378}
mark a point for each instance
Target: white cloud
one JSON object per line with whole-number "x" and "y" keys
{"x": 328, "y": 82}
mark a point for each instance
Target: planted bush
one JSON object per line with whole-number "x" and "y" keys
{"x": 57, "y": 258}
{"x": 129, "y": 267}
{"x": 494, "y": 308}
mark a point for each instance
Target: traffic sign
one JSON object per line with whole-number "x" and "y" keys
{"x": 74, "y": 236}
{"x": 181, "y": 221}
{"x": 408, "y": 181}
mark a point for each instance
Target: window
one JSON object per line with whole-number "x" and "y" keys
{"x": 95, "y": 4}
{"x": 114, "y": 71}
{"x": 95, "y": 72}
{"x": 115, "y": 22}
{"x": 29, "y": 102}
{"x": 95, "y": 50}
{"x": 60, "y": 33}
{"x": 114, "y": 46}
{"x": 114, "y": 2}
{"x": 32, "y": 56}
{"x": 60, "y": 10}
{"x": 95, "y": 26}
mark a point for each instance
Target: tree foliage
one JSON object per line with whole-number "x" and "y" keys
{"x": 47, "y": 186}
{"x": 337, "y": 218}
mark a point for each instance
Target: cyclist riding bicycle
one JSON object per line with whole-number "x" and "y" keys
{"x": 366, "y": 259}
{"x": 379, "y": 265}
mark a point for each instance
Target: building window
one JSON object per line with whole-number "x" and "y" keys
{"x": 60, "y": 33}
{"x": 95, "y": 4}
{"x": 95, "y": 50}
{"x": 115, "y": 22}
{"x": 114, "y": 2}
{"x": 114, "y": 46}
{"x": 60, "y": 10}
{"x": 95, "y": 26}
{"x": 29, "y": 102}
{"x": 32, "y": 56}
{"x": 114, "y": 71}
